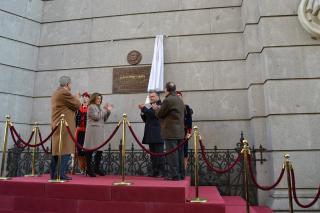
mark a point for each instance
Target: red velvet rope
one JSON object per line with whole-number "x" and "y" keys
{"x": 295, "y": 193}
{"x": 14, "y": 131}
{"x": 94, "y": 149}
{"x": 265, "y": 188}
{"x": 211, "y": 167}
{"x": 22, "y": 146}
{"x": 49, "y": 136}
{"x": 40, "y": 137}
{"x": 155, "y": 153}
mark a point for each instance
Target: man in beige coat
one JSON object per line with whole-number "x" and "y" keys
{"x": 63, "y": 102}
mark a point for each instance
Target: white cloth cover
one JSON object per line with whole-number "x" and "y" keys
{"x": 156, "y": 74}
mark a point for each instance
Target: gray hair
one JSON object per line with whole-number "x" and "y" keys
{"x": 64, "y": 81}
{"x": 154, "y": 91}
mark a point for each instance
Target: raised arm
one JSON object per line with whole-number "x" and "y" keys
{"x": 71, "y": 102}
{"x": 106, "y": 115}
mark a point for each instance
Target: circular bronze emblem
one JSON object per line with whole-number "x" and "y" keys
{"x": 134, "y": 57}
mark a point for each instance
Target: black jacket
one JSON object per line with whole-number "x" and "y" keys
{"x": 188, "y": 112}
{"x": 152, "y": 126}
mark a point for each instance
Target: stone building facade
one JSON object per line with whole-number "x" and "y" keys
{"x": 243, "y": 65}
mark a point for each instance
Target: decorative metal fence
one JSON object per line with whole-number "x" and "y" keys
{"x": 138, "y": 164}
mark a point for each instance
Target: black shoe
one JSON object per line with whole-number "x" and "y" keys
{"x": 97, "y": 162}
{"x": 159, "y": 175}
{"x": 152, "y": 175}
{"x": 53, "y": 177}
{"x": 89, "y": 170}
{"x": 90, "y": 173}
{"x": 65, "y": 177}
{"x": 176, "y": 178}
{"x": 100, "y": 173}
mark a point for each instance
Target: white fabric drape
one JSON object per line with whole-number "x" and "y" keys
{"x": 156, "y": 74}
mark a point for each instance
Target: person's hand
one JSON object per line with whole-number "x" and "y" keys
{"x": 78, "y": 95}
{"x": 108, "y": 107}
{"x": 188, "y": 136}
{"x": 141, "y": 106}
{"x": 155, "y": 106}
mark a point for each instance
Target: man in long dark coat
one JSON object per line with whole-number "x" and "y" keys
{"x": 152, "y": 135}
{"x": 171, "y": 114}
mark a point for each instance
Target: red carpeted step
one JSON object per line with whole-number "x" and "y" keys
{"x": 43, "y": 204}
{"x": 262, "y": 209}
{"x": 78, "y": 191}
{"x": 151, "y": 190}
{"x": 204, "y": 208}
{"x": 234, "y": 200}
{"x": 10, "y": 211}
{"x": 21, "y": 186}
{"x": 6, "y": 202}
{"x": 242, "y": 209}
{"x": 85, "y": 206}
{"x": 238, "y": 204}
{"x": 84, "y": 194}
{"x": 238, "y": 209}
{"x": 141, "y": 207}
{"x": 211, "y": 193}
{"x": 100, "y": 188}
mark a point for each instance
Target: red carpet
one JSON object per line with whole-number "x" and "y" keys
{"x": 84, "y": 194}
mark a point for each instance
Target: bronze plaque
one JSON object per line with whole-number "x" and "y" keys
{"x": 130, "y": 79}
{"x": 134, "y": 57}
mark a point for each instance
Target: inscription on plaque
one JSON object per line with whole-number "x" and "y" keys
{"x": 130, "y": 79}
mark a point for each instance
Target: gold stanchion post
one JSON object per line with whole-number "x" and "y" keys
{"x": 245, "y": 152}
{"x": 58, "y": 180}
{"x": 197, "y": 199}
{"x": 123, "y": 153}
{"x": 4, "y": 148}
{"x": 288, "y": 166}
{"x": 36, "y": 132}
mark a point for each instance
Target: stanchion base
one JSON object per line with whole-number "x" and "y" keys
{"x": 198, "y": 200}
{"x": 32, "y": 175}
{"x": 122, "y": 183}
{"x": 5, "y": 178}
{"x": 57, "y": 181}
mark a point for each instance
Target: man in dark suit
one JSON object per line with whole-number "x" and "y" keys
{"x": 171, "y": 114}
{"x": 152, "y": 135}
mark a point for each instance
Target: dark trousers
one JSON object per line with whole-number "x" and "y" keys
{"x": 175, "y": 160}
{"x": 156, "y": 161}
{"x": 97, "y": 161}
{"x": 54, "y": 164}
{"x": 185, "y": 150}
{"x": 80, "y": 140}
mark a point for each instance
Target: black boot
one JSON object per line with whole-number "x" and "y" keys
{"x": 97, "y": 161}
{"x": 89, "y": 170}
